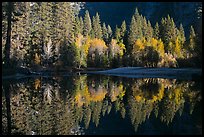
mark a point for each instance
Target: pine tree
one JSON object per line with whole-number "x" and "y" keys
{"x": 9, "y": 12}
{"x": 182, "y": 36}
{"x": 192, "y": 39}
{"x": 81, "y": 24}
{"x": 117, "y": 33}
{"x": 138, "y": 27}
{"x": 156, "y": 31}
{"x": 109, "y": 32}
{"x": 4, "y": 29}
{"x": 149, "y": 31}
{"x": 78, "y": 28}
{"x": 123, "y": 29}
{"x": 87, "y": 24}
{"x": 105, "y": 33}
{"x": 92, "y": 33}
{"x": 168, "y": 33}
{"x": 20, "y": 33}
{"x": 97, "y": 26}
{"x": 132, "y": 32}
{"x": 144, "y": 27}
{"x": 45, "y": 31}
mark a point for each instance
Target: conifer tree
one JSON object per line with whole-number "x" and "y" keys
{"x": 138, "y": 27}
{"x": 192, "y": 39}
{"x": 117, "y": 33}
{"x": 182, "y": 35}
{"x": 109, "y": 32}
{"x": 105, "y": 33}
{"x": 9, "y": 12}
{"x": 123, "y": 29}
{"x": 149, "y": 31}
{"x": 81, "y": 24}
{"x": 97, "y": 26}
{"x": 87, "y": 24}
{"x": 132, "y": 32}
{"x": 156, "y": 31}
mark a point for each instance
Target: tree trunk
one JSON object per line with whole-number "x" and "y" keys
{"x": 10, "y": 7}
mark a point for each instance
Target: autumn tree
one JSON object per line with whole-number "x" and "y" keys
{"x": 116, "y": 52}
{"x": 97, "y": 54}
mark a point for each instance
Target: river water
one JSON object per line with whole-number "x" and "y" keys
{"x": 101, "y": 105}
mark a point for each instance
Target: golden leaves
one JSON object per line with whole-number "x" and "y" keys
{"x": 37, "y": 58}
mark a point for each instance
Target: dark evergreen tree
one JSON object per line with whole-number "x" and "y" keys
{"x": 87, "y": 24}
{"x": 97, "y": 26}
{"x": 105, "y": 33}
{"x": 156, "y": 31}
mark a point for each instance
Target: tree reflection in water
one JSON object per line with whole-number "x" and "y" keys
{"x": 65, "y": 106}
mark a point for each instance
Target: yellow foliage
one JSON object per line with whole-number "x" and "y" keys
{"x": 160, "y": 48}
{"x": 117, "y": 48}
{"x": 87, "y": 45}
{"x": 177, "y": 47}
{"x": 122, "y": 49}
{"x": 154, "y": 42}
{"x": 79, "y": 40}
{"x": 159, "y": 96}
{"x": 98, "y": 43}
{"x": 37, "y": 84}
{"x": 138, "y": 45}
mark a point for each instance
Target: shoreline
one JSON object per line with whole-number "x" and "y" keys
{"x": 132, "y": 72}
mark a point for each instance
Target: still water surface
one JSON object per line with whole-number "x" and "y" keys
{"x": 101, "y": 105}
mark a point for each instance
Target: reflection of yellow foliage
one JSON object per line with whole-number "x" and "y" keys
{"x": 37, "y": 84}
{"x": 160, "y": 95}
{"x": 37, "y": 58}
{"x": 98, "y": 96}
{"x": 79, "y": 99}
{"x": 140, "y": 95}
{"x": 82, "y": 97}
{"x": 116, "y": 92}
{"x": 139, "y": 98}
{"x": 176, "y": 95}
{"x": 122, "y": 92}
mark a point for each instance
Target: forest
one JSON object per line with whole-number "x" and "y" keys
{"x": 52, "y": 35}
